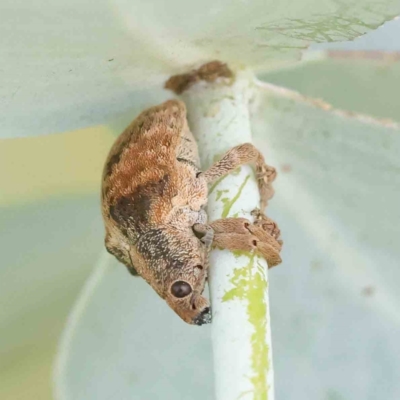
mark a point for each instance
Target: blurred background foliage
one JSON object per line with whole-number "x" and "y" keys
{"x": 50, "y": 235}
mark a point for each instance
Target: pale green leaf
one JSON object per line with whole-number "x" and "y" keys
{"x": 335, "y": 301}
{"x": 47, "y": 251}
{"x": 129, "y": 344}
{"x": 68, "y": 65}
{"x": 347, "y": 165}
{"x": 364, "y": 82}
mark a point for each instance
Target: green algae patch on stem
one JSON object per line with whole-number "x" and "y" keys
{"x": 229, "y": 203}
{"x": 220, "y": 193}
{"x": 218, "y": 181}
{"x": 250, "y": 285}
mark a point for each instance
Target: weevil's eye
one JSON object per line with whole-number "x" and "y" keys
{"x": 181, "y": 289}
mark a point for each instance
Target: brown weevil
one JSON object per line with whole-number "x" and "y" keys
{"x": 153, "y": 203}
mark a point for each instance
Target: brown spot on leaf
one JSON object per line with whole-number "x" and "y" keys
{"x": 368, "y": 291}
{"x": 316, "y": 264}
{"x": 286, "y": 168}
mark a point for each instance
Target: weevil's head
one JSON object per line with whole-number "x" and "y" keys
{"x": 185, "y": 297}
{"x": 175, "y": 265}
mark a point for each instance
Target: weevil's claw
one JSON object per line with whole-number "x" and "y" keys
{"x": 267, "y": 224}
{"x": 240, "y": 234}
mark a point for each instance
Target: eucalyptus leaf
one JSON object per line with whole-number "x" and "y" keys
{"x": 68, "y": 65}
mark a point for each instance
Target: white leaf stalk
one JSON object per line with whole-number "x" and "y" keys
{"x": 219, "y": 118}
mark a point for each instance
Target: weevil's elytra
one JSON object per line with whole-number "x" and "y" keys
{"x": 133, "y": 210}
{"x": 153, "y": 200}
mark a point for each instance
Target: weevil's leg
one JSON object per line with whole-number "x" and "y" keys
{"x": 120, "y": 253}
{"x": 205, "y": 233}
{"x": 245, "y": 154}
{"x": 267, "y": 224}
{"x": 241, "y": 234}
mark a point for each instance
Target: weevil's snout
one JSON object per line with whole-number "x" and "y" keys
{"x": 201, "y": 310}
{"x": 204, "y": 317}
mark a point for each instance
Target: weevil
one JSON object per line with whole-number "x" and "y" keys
{"x": 154, "y": 195}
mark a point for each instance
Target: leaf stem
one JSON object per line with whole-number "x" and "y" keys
{"x": 219, "y": 118}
